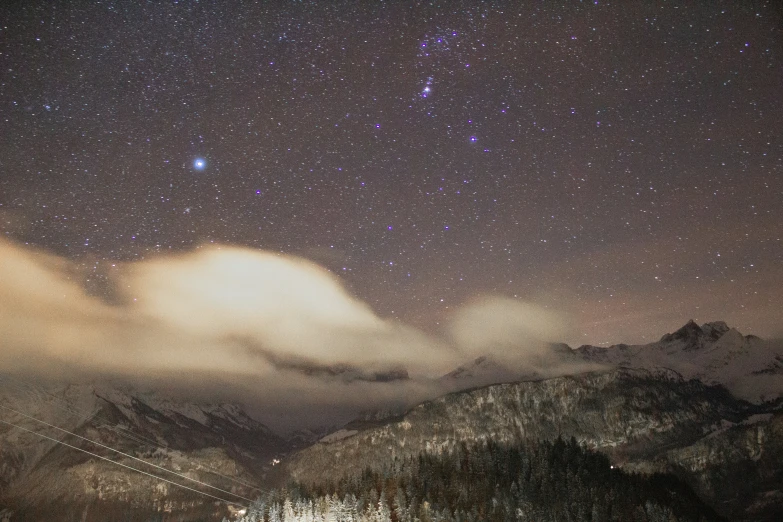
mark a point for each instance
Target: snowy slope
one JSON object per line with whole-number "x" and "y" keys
{"x": 646, "y": 420}
{"x": 750, "y": 367}
{"x": 549, "y": 361}
{"x": 214, "y": 443}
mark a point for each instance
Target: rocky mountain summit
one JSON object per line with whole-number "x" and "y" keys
{"x": 750, "y": 367}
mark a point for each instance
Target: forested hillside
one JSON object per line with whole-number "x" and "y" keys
{"x": 541, "y": 481}
{"x": 726, "y": 449}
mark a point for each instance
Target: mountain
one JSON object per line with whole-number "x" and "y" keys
{"x": 481, "y": 371}
{"x": 750, "y": 367}
{"x": 215, "y": 444}
{"x": 550, "y": 360}
{"x": 644, "y": 420}
{"x": 538, "y": 480}
{"x": 703, "y": 404}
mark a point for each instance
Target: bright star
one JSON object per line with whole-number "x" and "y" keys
{"x": 199, "y": 163}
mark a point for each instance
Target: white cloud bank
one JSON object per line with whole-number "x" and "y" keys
{"x": 238, "y": 315}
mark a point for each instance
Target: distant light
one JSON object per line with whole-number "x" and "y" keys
{"x": 199, "y": 163}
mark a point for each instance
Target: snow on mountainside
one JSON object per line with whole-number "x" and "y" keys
{"x": 551, "y": 360}
{"x": 651, "y": 407}
{"x": 646, "y": 420}
{"x": 480, "y": 369}
{"x": 179, "y": 412}
{"x": 625, "y": 412}
{"x": 750, "y": 367}
{"x": 214, "y": 443}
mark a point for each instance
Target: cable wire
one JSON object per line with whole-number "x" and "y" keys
{"x": 123, "y": 465}
{"x": 123, "y": 433}
{"x": 125, "y": 454}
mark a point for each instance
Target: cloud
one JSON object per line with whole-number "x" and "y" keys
{"x": 519, "y": 338}
{"x": 43, "y": 315}
{"x": 503, "y": 327}
{"x": 257, "y": 326}
{"x": 280, "y": 305}
{"x": 222, "y": 309}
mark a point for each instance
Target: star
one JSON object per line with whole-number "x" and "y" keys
{"x": 537, "y": 156}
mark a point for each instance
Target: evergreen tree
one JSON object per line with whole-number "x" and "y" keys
{"x": 288, "y": 511}
{"x": 539, "y": 481}
{"x": 274, "y": 514}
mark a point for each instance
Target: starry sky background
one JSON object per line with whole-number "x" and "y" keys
{"x": 620, "y": 163}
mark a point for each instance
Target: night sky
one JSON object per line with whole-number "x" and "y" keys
{"x": 619, "y": 163}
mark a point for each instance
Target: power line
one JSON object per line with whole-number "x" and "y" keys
{"x": 123, "y": 465}
{"x": 125, "y": 454}
{"x": 139, "y": 439}
{"x": 80, "y": 414}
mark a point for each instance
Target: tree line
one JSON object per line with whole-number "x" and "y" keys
{"x": 537, "y": 481}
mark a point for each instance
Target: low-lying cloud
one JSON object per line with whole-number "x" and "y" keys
{"x": 506, "y": 328}
{"x": 283, "y": 306}
{"x": 255, "y": 319}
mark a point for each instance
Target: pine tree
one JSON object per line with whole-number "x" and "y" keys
{"x": 288, "y": 511}
{"x": 274, "y": 513}
{"x": 401, "y": 512}
{"x": 382, "y": 513}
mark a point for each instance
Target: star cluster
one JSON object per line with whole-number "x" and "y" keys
{"x": 621, "y": 163}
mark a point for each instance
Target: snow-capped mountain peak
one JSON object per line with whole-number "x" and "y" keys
{"x": 715, "y": 330}
{"x": 713, "y": 352}
{"x": 695, "y": 337}
{"x": 750, "y": 367}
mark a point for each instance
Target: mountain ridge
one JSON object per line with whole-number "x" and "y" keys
{"x": 635, "y": 416}
{"x": 672, "y": 406}
{"x": 215, "y": 444}
{"x": 714, "y": 353}
{"x": 751, "y": 367}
